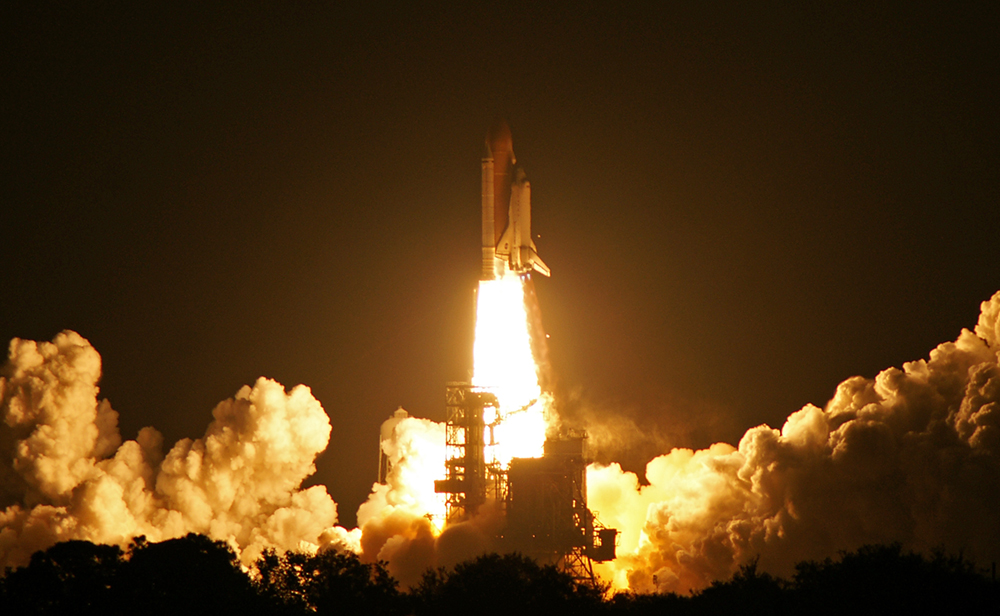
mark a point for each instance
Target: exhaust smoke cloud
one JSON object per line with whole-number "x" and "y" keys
{"x": 402, "y": 522}
{"x": 912, "y": 455}
{"x": 65, "y": 473}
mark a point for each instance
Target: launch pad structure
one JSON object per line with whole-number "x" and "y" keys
{"x": 543, "y": 500}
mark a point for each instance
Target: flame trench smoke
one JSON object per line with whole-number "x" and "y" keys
{"x": 911, "y": 456}
{"x": 67, "y": 475}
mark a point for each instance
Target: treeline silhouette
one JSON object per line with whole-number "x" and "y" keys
{"x": 195, "y": 575}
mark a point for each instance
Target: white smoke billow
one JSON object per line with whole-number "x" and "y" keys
{"x": 396, "y": 522}
{"x": 65, "y": 474}
{"x": 911, "y": 456}
{"x": 401, "y": 522}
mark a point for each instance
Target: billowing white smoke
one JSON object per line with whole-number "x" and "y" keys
{"x": 65, "y": 474}
{"x": 397, "y": 521}
{"x": 911, "y": 456}
{"x": 401, "y": 521}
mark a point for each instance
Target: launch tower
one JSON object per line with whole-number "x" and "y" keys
{"x": 543, "y": 500}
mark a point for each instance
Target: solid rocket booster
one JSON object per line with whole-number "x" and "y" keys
{"x": 507, "y": 243}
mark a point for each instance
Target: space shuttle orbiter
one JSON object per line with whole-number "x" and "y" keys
{"x": 507, "y": 243}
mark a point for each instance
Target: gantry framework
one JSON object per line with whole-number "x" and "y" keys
{"x": 472, "y": 477}
{"x": 544, "y": 500}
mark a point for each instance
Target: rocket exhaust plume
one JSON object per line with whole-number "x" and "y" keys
{"x": 403, "y": 521}
{"x": 504, "y": 365}
{"x": 503, "y": 358}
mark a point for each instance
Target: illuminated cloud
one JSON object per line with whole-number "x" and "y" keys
{"x": 67, "y": 475}
{"x": 909, "y": 456}
{"x": 912, "y": 455}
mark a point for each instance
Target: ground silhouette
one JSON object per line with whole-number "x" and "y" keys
{"x": 195, "y": 575}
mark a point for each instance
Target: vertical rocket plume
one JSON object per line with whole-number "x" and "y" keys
{"x": 402, "y": 521}
{"x": 503, "y": 358}
{"x": 504, "y": 364}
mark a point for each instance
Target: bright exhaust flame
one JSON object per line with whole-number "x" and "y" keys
{"x": 403, "y": 519}
{"x": 503, "y": 364}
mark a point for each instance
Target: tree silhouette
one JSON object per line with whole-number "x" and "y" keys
{"x": 633, "y": 604}
{"x": 281, "y": 582}
{"x": 879, "y": 579}
{"x": 191, "y": 575}
{"x": 327, "y": 583}
{"x": 195, "y": 575}
{"x": 509, "y": 584}
{"x": 749, "y": 591}
{"x": 70, "y": 577}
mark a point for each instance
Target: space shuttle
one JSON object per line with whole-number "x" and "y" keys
{"x": 507, "y": 243}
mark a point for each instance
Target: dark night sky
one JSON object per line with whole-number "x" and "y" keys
{"x": 742, "y": 204}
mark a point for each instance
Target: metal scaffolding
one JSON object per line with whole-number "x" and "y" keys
{"x": 547, "y": 514}
{"x": 543, "y": 500}
{"x": 471, "y": 476}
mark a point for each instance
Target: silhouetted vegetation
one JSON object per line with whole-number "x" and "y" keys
{"x": 195, "y": 575}
{"x": 884, "y": 579}
{"x": 327, "y": 583}
{"x": 74, "y": 573}
{"x": 190, "y": 574}
{"x": 879, "y": 579}
{"x": 507, "y": 585}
